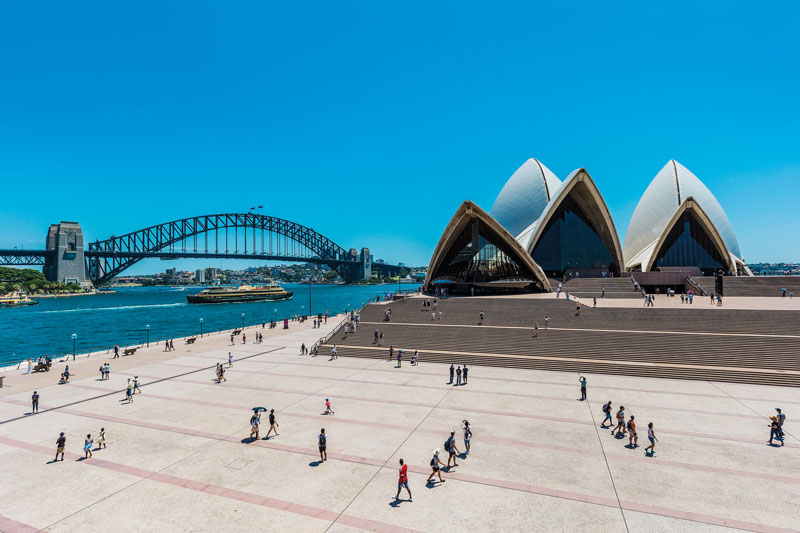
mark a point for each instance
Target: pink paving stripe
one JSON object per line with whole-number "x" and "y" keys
{"x": 484, "y": 411}
{"x": 8, "y": 525}
{"x": 489, "y": 439}
{"x": 544, "y": 491}
{"x": 483, "y": 391}
{"x": 538, "y": 382}
{"x": 256, "y": 499}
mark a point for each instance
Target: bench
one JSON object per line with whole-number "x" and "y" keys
{"x": 237, "y": 332}
{"x": 1, "y": 381}
{"x": 129, "y": 351}
{"x": 42, "y": 367}
{"x": 191, "y": 340}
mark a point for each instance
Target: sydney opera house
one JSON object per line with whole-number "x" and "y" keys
{"x": 541, "y": 229}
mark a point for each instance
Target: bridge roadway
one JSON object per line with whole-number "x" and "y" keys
{"x": 700, "y": 343}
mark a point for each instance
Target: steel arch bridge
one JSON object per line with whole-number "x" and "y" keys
{"x": 228, "y": 235}
{"x": 224, "y": 236}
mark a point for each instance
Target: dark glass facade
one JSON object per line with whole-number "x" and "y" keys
{"x": 570, "y": 244}
{"x": 688, "y": 244}
{"x": 478, "y": 255}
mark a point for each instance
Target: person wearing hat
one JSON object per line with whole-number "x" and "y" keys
{"x": 436, "y": 466}
{"x": 60, "y": 443}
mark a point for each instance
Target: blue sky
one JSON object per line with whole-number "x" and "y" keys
{"x": 372, "y": 121}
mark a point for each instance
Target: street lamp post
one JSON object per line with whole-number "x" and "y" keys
{"x": 74, "y": 336}
{"x": 276, "y": 315}
{"x": 302, "y": 310}
{"x": 242, "y": 320}
{"x": 201, "y": 328}
{"x": 147, "y": 327}
{"x": 309, "y": 297}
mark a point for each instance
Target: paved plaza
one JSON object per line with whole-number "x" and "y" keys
{"x": 178, "y": 457}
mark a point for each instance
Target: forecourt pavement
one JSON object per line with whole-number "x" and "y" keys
{"x": 178, "y": 457}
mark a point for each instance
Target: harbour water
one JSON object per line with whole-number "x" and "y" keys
{"x": 102, "y": 320}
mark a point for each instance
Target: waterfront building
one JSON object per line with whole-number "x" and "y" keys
{"x": 200, "y": 276}
{"x": 679, "y": 223}
{"x": 540, "y": 227}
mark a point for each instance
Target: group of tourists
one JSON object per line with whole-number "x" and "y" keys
{"x": 452, "y": 455}
{"x": 61, "y": 443}
{"x": 105, "y": 371}
{"x": 131, "y": 388}
{"x": 623, "y": 428}
{"x": 169, "y": 345}
{"x": 458, "y": 373}
{"x": 255, "y": 424}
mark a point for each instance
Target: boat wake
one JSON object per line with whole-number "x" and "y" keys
{"x": 118, "y": 308}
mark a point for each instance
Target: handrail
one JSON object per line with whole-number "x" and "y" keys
{"x": 693, "y": 282}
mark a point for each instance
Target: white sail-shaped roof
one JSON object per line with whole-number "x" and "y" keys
{"x": 669, "y": 189}
{"x": 524, "y": 196}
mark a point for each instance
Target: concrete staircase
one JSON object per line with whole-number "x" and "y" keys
{"x": 593, "y": 287}
{"x": 652, "y": 342}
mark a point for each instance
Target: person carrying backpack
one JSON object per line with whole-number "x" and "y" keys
{"x": 607, "y": 411}
{"x": 436, "y": 467}
{"x": 633, "y": 438}
{"x": 450, "y": 447}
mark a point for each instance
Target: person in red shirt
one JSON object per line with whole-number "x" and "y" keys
{"x": 403, "y": 481}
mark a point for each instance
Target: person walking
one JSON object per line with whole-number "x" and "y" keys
{"x": 436, "y": 467}
{"x": 458, "y": 376}
{"x": 620, "y": 421}
{"x": 87, "y": 446}
{"x": 136, "y": 385}
{"x": 380, "y": 339}
{"x": 328, "y": 410}
{"x": 452, "y": 373}
{"x": 467, "y": 436}
{"x": 61, "y": 441}
{"x": 403, "y": 482}
{"x": 464, "y": 372}
{"x": 273, "y": 424}
{"x": 633, "y": 437}
{"x": 651, "y": 435}
{"x": 108, "y": 370}
{"x": 244, "y": 338}
{"x": 535, "y": 329}
{"x": 255, "y": 424}
{"x": 116, "y": 351}
{"x": 482, "y": 317}
{"x": 583, "y": 388}
{"x": 322, "y": 442}
{"x": 391, "y": 353}
{"x": 399, "y": 358}
{"x": 781, "y": 417}
{"x": 230, "y": 359}
{"x": 451, "y": 449}
{"x": 35, "y": 402}
{"x": 375, "y": 340}
{"x": 101, "y": 439}
{"x": 607, "y": 412}
{"x": 775, "y": 430}
{"x": 546, "y": 321}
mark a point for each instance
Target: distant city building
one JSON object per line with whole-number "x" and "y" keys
{"x": 212, "y": 273}
{"x": 172, "y": 272}
{"x": 200, "y": 275}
